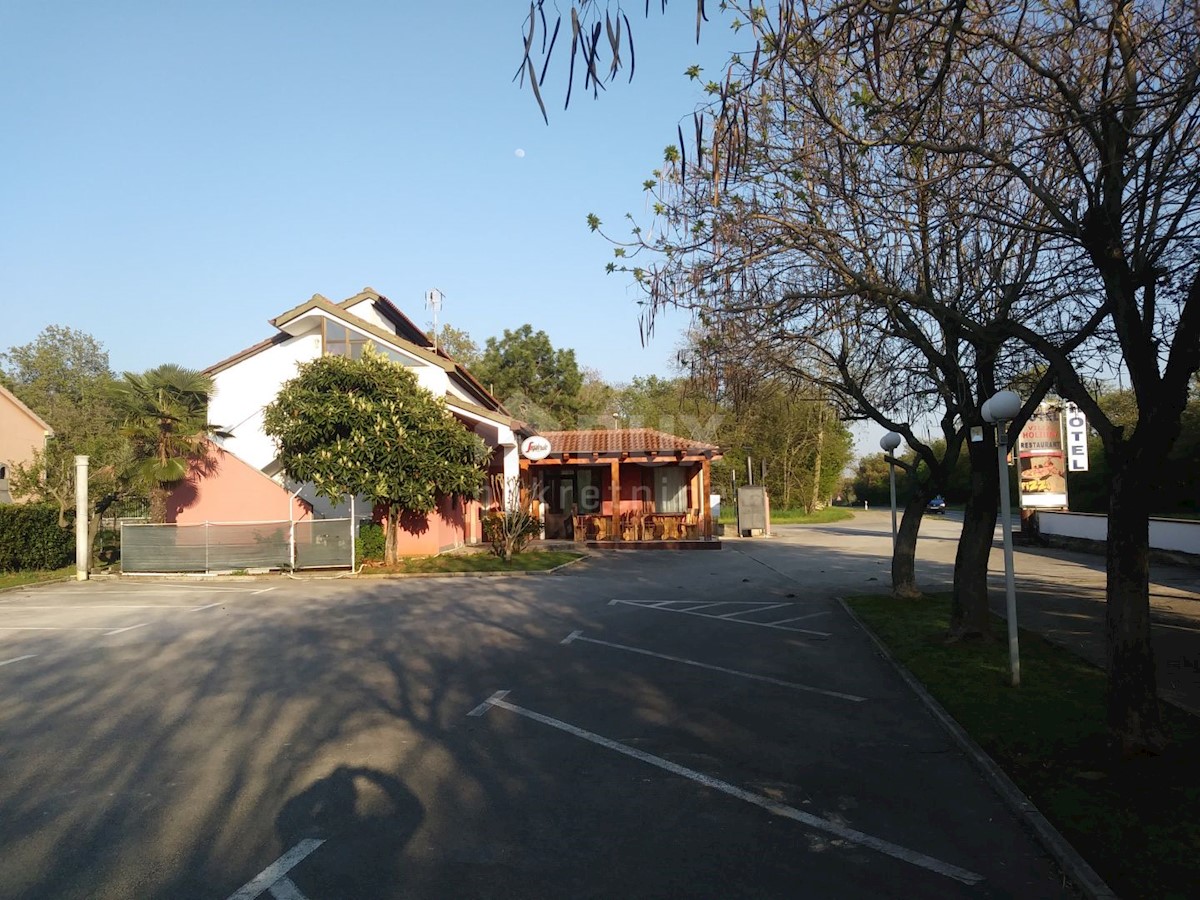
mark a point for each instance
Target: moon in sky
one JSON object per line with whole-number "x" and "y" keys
{"x": 519, "y": 153}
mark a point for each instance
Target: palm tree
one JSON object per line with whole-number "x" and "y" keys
{"x": 164, "y": 415}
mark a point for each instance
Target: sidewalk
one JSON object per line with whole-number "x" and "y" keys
{"x": 1060, "y": 594}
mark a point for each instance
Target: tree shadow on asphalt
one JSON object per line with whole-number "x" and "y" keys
{"x": 181, "y": 766}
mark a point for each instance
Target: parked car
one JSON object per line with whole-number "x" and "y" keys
{"x": 937, "y": 505}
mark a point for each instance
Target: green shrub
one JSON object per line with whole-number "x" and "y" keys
{"x": 369, "y": 545}
{"x": 509, "y": 532}
{"x": 30, "y": 538}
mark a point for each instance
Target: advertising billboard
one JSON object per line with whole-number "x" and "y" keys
{"x": 1041, "y": 465}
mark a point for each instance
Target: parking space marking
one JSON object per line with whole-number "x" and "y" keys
{"x": 487, "y": 704}
{"x": 126, "y": 628}
{"x": 904, "y": 854}
{"x": 285, "y": 889}
{"x": 277, "y": 871}
{"x": 17, "y": 659}
{"x": 664, "y": 606}
{"x": 578, "y": 636}
{"x": 739, "y": 612}
{"x": 101, "y": 606}
{"x": 47, "y": 628}
{"x": 143, "y": 591}
{"x": 801, "y": 618}
{"x": 210, "y": 606}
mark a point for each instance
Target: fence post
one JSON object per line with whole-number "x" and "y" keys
{"x": 205, "y": 548}
{"x": 292, "y": 545}
{"x": 352, "y": 520}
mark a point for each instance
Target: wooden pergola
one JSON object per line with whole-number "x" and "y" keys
{"x": 629, "y": 498}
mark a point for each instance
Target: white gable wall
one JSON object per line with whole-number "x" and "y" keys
{"x": 246, "y": 387}
{"x": 365, "y": 310}
{"x": 431, "y": 378}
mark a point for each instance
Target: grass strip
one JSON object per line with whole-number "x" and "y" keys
{"x": 1136, "y": 821}
{"x": 794, "y": 516}
{"x": 17, "y": 579}
{"x": 533, "y": 561}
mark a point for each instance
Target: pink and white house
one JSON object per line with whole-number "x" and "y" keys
{"x": 22, "y": 433}
{"x": 242, "y": 480}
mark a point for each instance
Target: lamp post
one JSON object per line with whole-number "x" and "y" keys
{"x": 889, "y": 442}
{"x": 1002, "y": 408}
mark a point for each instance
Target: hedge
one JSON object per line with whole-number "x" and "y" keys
{"x": 31, "y": 539}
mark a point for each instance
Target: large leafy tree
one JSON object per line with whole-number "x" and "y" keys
{"x": 458, "y": 345}
{"x": 1090, "y": 110}
{"x": 534, "y": 380}
{"x": 63, "y": 375}
{"x": 366, "y": 427}
{"x": 163, "y": 414}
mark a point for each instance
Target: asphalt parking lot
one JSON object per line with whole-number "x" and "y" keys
{"x": 640, "y": 725}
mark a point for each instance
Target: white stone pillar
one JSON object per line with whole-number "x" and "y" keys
{"x": 82, "y": 550}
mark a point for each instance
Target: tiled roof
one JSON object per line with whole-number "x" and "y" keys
{"x": 623, "y": 440}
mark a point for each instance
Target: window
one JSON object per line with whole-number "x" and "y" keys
{"x": 588, "y": 492}
{"x": 670, "y": 495}
{"x": 342, "y": 341}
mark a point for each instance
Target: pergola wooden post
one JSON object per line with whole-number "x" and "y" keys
{"x": 616, "y": 499}
{"x": 705, "y": 490}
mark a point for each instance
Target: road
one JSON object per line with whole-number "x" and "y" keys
{"x": 649, "y": 724}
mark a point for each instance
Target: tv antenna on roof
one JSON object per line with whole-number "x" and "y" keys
{"x": 433, "y": 300}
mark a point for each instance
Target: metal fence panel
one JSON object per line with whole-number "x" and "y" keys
{"x": 224, "y": 547}
{"x": 323, "y": 543}
{"x": 249, "y": 546}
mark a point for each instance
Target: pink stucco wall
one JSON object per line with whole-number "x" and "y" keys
{"x": 21, "y": 432}
{"x": 226, "y": 489}
{"x": 451, "y": 525}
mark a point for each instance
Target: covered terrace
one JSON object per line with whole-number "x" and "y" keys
{"x": 623, "y": 487}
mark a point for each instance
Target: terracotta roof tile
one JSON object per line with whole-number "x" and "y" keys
{"x": 623, "y": 440}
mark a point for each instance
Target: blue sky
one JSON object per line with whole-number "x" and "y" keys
{"x": 179, "y": 173}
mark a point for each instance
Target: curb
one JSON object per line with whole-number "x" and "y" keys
{"x": 1072, "y": 864}
{"x": 383, "y": 576}
{"x": 36, "y": 584}
{"x": 516, "y": 574}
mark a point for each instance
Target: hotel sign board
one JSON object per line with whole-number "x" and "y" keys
{"x": 1041, "y": 464}
{"x": 1077, "y": 446}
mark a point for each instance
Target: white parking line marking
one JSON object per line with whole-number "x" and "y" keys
{"x": 263, "y": 591}
{"x": 487, "y": 704}
{"x": 742, "y": 611}
{"x": 126, "y": 628}
{"x": 801, "y": 618}
{"x": 45, "y": 628}
{"x": 276, "y": 870}
{"x": 210, "y": 606}
{"x": 285, "y": 889}
{"x": 17, "y": 659}
{"x": 818, "y": 634}
{"x": 774, "y": 807}
{"x": 100, "y": 606}
{"x": 578, "y": 636}
{"x": 142, "y": 591}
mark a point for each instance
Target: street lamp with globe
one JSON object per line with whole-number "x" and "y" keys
{"x": 889, "y": 442}
{"x": 1001, "y": 409}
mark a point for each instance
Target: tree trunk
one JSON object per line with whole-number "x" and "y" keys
{"x": 969, "y": 616}
{"x": 158, "y": 503}
{"x": 391, "y": 543}
{"x": 1133, "y": 711}
{"x": 816, "y": 491}
{"x": 904, "y": 560}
